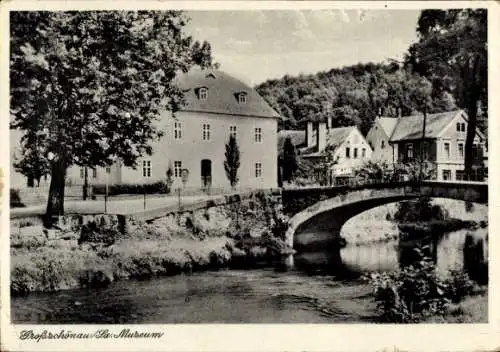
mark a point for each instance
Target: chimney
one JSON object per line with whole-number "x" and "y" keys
{"x": 329, "y": 123}
{"x": 321, "y": 136}
{"x": 309, "y": 134}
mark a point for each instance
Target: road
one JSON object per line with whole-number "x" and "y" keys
{"x": 116, "y": 205}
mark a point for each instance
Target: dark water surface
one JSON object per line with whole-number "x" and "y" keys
{"x": 317, "y": 287}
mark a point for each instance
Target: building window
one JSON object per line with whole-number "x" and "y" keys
{"x": 355, "y": 154}
{"x": 347, "y": 152}
{"x": 146, "y": 168}
{"x": 203, "y": 93}
{"x": 363, "y": 152}
{"x": 82, "y": 172}
{"x": 177, "y": 130}
{"x": 461, "y": 150}
{"x": 258, "y": 170}
{"x": 475, "y": 151}
{"x": 459, "y": 175}
{"x": 177, "y": 168}
{"x": 232, "y": 131}
{"x": 446, "y": 175}
{"x": 206, "y": 132}
{"x": 258, "y": 135}
{"x": 242, "y": 98}
{"x": 458, "y": 127}
{"x": 463, "y": 127}
{"x": 108, "y": 170}
{"x": 94, "y": 173}
{"x": 447, "y": 150}
{"x": 382, "y": 145}
{"x": 409, "y": 150}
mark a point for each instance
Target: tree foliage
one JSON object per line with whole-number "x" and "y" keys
{"x": 452, "y": 52}
{"x": 232, "y": 162}
{"x": 352, "y": 95}
{"x": 91, "y": 84}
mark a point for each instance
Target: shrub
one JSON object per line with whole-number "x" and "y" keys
{"x": 417, "y": 292}
{"x": 15, "y": 199}
{"x": 421, "y": 209}
{"x": 149, "y": 188}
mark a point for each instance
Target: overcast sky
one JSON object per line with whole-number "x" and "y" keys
{"x": 258, "y": 45}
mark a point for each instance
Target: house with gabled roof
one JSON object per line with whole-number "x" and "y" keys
{"x": 346, "y": 145}
{"x": 441, "y": 147}
{"x": 216, "y": 106}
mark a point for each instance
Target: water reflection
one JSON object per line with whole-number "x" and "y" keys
{"x": 447, "y": 251}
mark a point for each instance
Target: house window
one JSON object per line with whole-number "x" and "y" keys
{"x": 447, "y": 150}
{"x": 475, "y": 151}
{"x": 177, "y": 130}
{"x": 459, "y": 175}
{"x": 461, "y": 150}
{"x": 242, "y": 98}
{"x": 363, "y": 152}
{"x": 355, "y": 154}
{"x": 232, "y": 131}
{"x": 108, "y": 170}
{"x": 258, "y": 170}
{"x": 347, "y": 152}
{"x": 177, "y": 168}
{"x": 409, "y": 150}
{"x": 463, "y": 127}
{"x": 94, "y": 173}
{"x": 446, "y": 175}
{"x": 206, "y": 132}
{"x": 258, "y": 135}
{"x": 146, "y": 168}
{"x": 203, "y": 93}
{"x": 82, "y": 172}
{"x": 382, "y": 145}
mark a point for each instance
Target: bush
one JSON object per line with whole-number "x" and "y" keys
{"x": 150, "y": 188}
{"x": 417, "y": 292}
{"x": 15, "y": 199}
{"x": 421, "y": 209}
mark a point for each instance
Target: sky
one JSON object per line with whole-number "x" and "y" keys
{"x": 258, "y": 45}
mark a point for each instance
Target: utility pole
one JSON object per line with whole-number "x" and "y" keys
{"x": 422, "y": 143}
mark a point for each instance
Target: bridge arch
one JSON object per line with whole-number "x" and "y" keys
{"x": 332, "y": 213}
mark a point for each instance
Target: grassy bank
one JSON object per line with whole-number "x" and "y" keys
{"x": 239, "y": 234}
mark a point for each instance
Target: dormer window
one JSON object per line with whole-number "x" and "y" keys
{"x": 203, "y": 93}
{"x": 242, "y": 98}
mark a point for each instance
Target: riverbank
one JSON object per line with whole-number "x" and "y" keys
{"x": 240, "y": 234}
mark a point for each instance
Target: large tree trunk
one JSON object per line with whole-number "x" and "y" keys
{"x": 55, "y": 204}
{"x": 469, "y": 141}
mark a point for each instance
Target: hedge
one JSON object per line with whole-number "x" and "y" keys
{"x": 149, "y": 188}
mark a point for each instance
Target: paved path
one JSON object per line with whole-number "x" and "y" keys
{"x": 114, "y": 205}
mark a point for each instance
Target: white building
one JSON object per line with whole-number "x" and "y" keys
{"x": 347, "y": 145}
{"x": 216, "y": 105}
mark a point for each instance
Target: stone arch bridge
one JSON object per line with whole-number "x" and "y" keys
{"x": 328, "y": 208}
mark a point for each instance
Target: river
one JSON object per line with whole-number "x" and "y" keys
{"x": 315, "y": 287}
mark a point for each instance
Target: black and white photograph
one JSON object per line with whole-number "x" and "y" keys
{"x": 281, "y": 166}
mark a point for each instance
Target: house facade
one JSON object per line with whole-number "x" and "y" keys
{"x": 348, "y": 147}
{"x": 216, "y": 106}
{"x": 441, "y": 148}
{"x": 378, "y": 138}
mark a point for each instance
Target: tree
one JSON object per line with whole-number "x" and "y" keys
{"x": 31, "y": 164}
{"x": 452, "y": 50}
{"x": 232, "y": 162}
{"x": 289, "y": 160}
{"x": 91, "y": 84}
{"x": 325, "y": 167}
